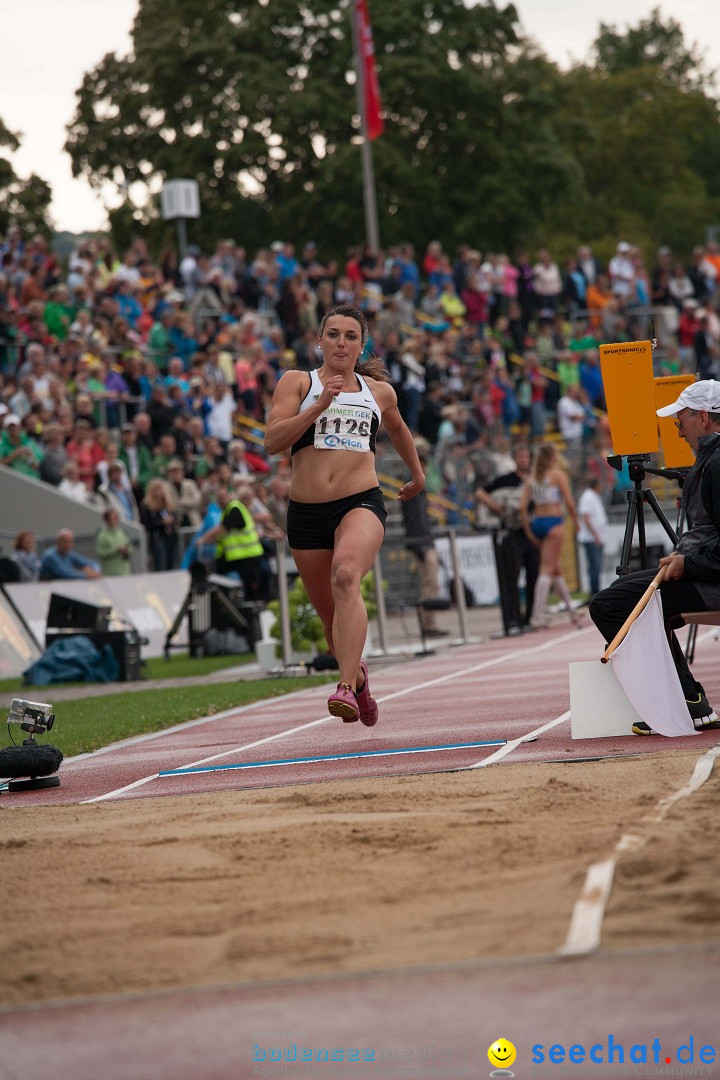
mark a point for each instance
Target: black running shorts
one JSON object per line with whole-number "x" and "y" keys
{"x": 311, "y": 526}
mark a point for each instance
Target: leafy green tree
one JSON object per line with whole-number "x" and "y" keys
{"x": 23, "y": 202}
{"x": 645, "y": 137}
{"x": 485, "y": 139}
{"x": 652, "y": 43}
{"x": 256, "y": 101}
{"x": 660, "y": 47}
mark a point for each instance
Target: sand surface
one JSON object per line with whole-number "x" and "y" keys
{"x": 155, "y": 893}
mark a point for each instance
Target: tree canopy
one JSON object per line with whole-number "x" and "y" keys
{"x": 486, "y": 140}
{"x": 655, "y": 44}
{"x": 22, "y": 202}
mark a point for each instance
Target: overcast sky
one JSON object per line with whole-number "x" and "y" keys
{"x": 49, "y": 44}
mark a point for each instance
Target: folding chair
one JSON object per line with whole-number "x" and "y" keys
{"x": 695, "y": 619}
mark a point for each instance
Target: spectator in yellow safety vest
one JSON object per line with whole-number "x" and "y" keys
{"x": 239, "y": 551}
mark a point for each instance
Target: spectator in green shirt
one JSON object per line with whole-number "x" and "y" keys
{"x": 59, "y": 313}
{"x": 113, "y": 546}
{"x": 158, "y": 343}
{"x": 568, "y": 370}
{"x": 138, "y": 460}
{"x": 581, "y": 338}
{"x": 164, "y": 454}
{"x": 17, "y": 450}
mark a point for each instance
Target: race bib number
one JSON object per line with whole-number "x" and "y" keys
{"x": 344, "y": 427}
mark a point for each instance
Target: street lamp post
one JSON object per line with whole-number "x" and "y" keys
{"x": 180, "y": 200}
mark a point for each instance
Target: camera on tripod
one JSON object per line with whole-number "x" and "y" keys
{"x": 633, "y": 396}
{"x": 34, "y": 717}
{"x": 34, "y": 761}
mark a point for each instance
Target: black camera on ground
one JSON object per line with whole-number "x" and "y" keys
{"x": 34, "y": 717}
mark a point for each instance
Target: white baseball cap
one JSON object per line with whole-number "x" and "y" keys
{"x": 11, "y": 418}
{"x": 702, "y": 396}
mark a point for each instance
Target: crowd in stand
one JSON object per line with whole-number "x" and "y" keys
{"x": 140, "y": 384}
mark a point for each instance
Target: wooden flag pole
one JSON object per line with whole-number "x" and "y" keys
{"x": 636, "y": 611}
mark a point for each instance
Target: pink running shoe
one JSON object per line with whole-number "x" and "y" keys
{"x": 366, "y": 702}
{"x": 344, "y": 703}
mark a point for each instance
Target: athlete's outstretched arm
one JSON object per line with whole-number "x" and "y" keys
{"x": 284, "y": 424}
{"x": 401, "y": 438}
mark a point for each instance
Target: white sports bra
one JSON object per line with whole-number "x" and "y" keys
{"x": 351, "y": 422}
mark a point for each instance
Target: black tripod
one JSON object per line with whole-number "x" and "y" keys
{"x": 637, "y": 498}
{"x": 212, "y": 600}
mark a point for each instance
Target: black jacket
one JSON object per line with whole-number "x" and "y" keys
{"x": 700, "y": 544}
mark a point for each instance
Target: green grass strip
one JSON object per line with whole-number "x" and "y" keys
{"x": 90, "y": 723}
{"x": 180, "y": 666}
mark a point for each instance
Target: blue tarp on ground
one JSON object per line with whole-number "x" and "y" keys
{"x": 73, "y": 659}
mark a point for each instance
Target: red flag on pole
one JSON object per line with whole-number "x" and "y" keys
{"x": 373, "y": 121}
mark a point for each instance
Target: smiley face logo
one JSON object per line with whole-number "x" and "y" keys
{"x": 502, "y": 1053}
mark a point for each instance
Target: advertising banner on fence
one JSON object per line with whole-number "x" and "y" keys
{"x": 477, "y": 566}
{"x": 17, "y": 649}
{"x": 147, "y": 602}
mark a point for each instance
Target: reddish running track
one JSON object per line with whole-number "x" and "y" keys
{"x": 505, "y": 690}
{"x": 434, "y": 1024}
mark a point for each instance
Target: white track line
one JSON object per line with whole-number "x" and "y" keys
{"x": 204, "y": 761}
{"x": 479, "y": 667}
{"x": 324, "y": 719}
{"x": 134, "y": 740}
{"x": 587, "y": 917}
{"x": 514, "y": 743}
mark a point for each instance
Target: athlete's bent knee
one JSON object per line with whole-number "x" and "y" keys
{"x": 345, "y": 577}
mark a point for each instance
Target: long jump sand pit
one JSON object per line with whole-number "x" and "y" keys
{"x": 360, "y": 875}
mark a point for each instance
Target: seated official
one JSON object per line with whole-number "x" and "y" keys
{"x": 692, "y": 578}
{"x": 61, "y": 562}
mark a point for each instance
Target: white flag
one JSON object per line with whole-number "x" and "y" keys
{"x": 646, "y": 671}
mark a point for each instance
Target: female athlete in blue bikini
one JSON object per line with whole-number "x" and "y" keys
{"x": 548, "y": 490}
{"x": 329, "y": 419}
